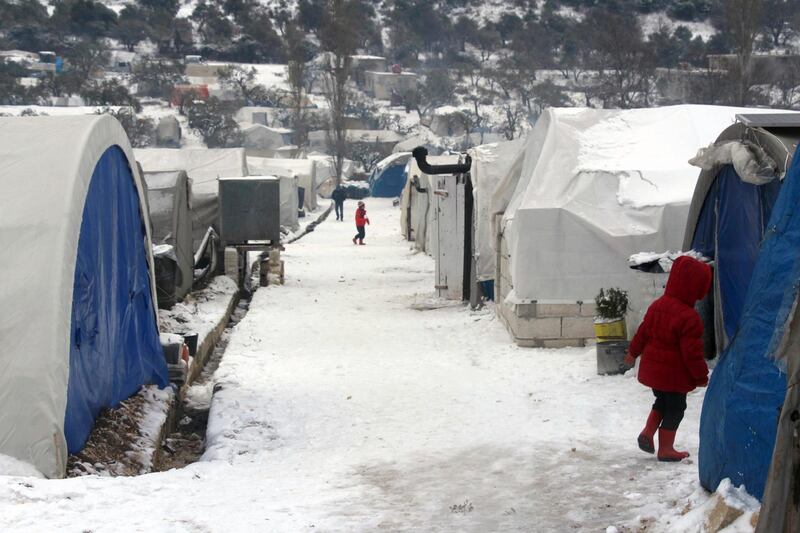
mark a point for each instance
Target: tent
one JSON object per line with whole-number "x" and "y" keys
{"x": 203, "y": 167}
{"x": 491, "y": 164}
{"x": 742, "y": 216}
{"x": 389, "y": 177}
{"x": 169, "y": 196}
{"x": 79, "y": 332}
{"x": 260, "y": 140}
{"x": 302, "y": 169}
{"x": 596, "y": 186}
{"x": 418, "y": 207}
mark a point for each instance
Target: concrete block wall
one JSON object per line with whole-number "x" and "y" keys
{"x": 541, "y": 324}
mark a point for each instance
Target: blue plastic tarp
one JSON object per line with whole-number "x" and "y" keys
{"x": 747, "y": 389}
{"x": 729, "y": 230}
{"x": 389, "y": 182}
{"x": 115, "y": 346}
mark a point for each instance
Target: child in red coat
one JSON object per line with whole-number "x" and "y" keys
{"x": 361, "y": 222}
{"x": 671, "y": 346}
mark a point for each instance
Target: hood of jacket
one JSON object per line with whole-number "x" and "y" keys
{"x": 689, "y": 280}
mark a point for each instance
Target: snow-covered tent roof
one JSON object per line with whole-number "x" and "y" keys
{"x": 81, "y": 334}
{"x": 263, "y": 140}
{"x": 597, "y": 186}
{"x": 491, "y": 163}
{"x": 203, "y": 166}
{"x": 327, "y": 169}
{"x": 303, "y": 169}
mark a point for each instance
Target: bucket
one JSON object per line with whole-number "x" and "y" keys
{"x": 610, "y": 330}
{"x": 611, "y": 357}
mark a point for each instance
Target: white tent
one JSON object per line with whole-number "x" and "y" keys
{"x": 491, "y": 164}
{"x": 168, "y": 196}
{"x": 75, "y": 239}
{"x": 260, "y": 140}
{"x": 302, "y": 169}
{"x": 597, "y": 186}
{"x": 203, "y": 166}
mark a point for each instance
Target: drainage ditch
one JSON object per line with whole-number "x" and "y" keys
{"x": 186, "y": 441}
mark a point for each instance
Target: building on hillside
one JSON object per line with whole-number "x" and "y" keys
{"x": 361, "y": 64}
{"x": 385, "y": 85}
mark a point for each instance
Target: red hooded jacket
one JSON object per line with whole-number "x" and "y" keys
{"x": 361, "y": 217}
{"x": 670, "y": 337}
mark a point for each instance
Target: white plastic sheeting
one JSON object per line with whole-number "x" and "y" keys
{"x": 596, "y": 187}
{"x": 302, "y": 169}
{"x": 46, "y": 165}
{"x": 204, "y": 167}
{"x": 491, "y": 163}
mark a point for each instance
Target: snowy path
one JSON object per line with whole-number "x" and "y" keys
{"x": 341, "y": 408}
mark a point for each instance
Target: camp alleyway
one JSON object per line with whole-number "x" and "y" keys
{"x": 351, "y": 400}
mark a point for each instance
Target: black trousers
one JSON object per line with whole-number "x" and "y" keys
{"x": 671, "y": 405}
{"x": 361, "y": 233}
{"x": 339, "y": 210}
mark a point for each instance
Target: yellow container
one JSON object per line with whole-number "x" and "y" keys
{"x": 611, "y": 330}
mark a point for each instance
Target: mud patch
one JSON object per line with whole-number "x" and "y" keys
{"x": 124, "y": 440}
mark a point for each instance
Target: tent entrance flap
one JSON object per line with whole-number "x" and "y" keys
{"x": 729, "y": 230}
{"x": 114, "y": 347}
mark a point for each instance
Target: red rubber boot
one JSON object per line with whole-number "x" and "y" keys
{"x": 649, "y": 431}
{"x": 666, "y": 453}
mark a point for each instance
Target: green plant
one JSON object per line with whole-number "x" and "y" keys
{"x": 612, "y": 304}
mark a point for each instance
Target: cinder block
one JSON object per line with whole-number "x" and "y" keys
{"x": 544, "y": 310}
{"x": 577, "y": 327}
{"x": 232, "y": 263}
{"x": 588, "y": 309}
{"x": 528, "y": 343}
{"x": 537, "y": 328}
{"x": 563, "y": 343}
{"x": 525, "y": 310}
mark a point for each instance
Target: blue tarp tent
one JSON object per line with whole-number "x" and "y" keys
{"x": 83, "y": 333}
{"x": 753, "y": 235}
{"x": 389, "y": 177}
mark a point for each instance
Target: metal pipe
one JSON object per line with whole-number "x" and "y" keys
{"x": 420, "y": 153}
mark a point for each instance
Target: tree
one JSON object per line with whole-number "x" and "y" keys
{"x": 213, "y": 120}
{"x": 298, "y": 52}
{"x": 624, "y": 61}
{"x": 340, "y": 36}
{"x": 131, "y": 27}
{"x": 743, "y": 23}
{"x": 109, "y": 93}
{"x": 438, "y": 89}
{"x": 141, "y": 131}
{"x": 157, "y": 77}
{"x": 83, "y": 59}
{"x": 212, "y": 24}
{"x": 241, "y": 80}
{"x": 85, "y": 18}
{"x": 777, "y": 20}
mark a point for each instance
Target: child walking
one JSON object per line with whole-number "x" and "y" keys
{"x": 361, "y": 222}
{"x": 670, "y": 344}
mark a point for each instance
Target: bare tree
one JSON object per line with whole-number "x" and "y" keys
{"x": 340, "y": 38}
{"x": 297, "y": 53}
{"x": 743, "y": 19}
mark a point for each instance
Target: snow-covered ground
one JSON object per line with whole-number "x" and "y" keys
{"x": 347, "y": 402}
